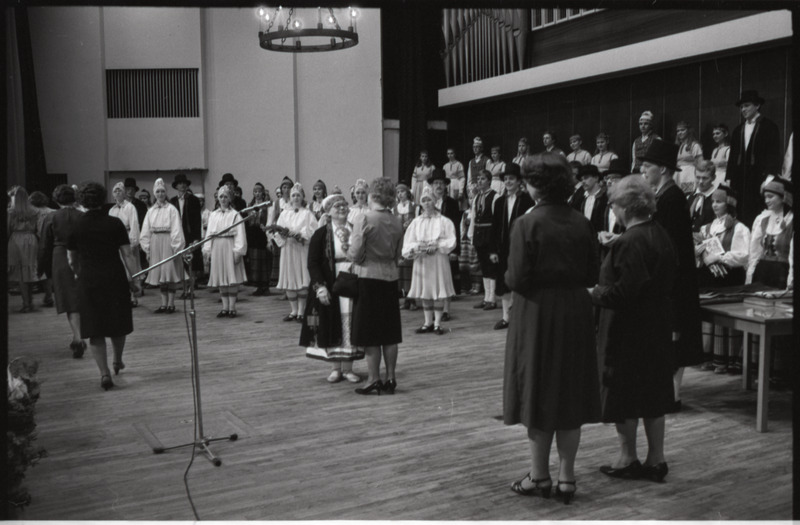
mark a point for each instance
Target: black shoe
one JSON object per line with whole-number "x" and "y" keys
{"x": 389, "y": 386}
{"x": 480, "y": 305}
{"x": 300, "y": 318}
{"x": 222, "y": 313}
{"x": 374, "y": 388}
{"x": 170, "y": 309}
{"x": 655, "y": 473}
{"x": 446, "y": 317}
{"x": 438, "y": 330}
{"x": 502, "y": 324}
{"x": 106, "y": 382}
{"x": 565, "y": 495}
{"x": 160, "y": 310}
{"x": 490, "y": 306}
{"x": 535, "y": 490}
{"x": 257, "y": 292}
{"x": 232, "y": 314}
{"x": 424, "y": 329}
{"x": 118, "y": 366}
{"x": 77, "y": 348}
{"x": 632, "y": 471}
{"x": 290, "y": 317}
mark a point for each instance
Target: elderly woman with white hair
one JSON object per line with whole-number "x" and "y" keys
{"x": 226, "y": 252}
{"x": 294, "y": 229}
{"x": 126, "y": 212}
{"x": 327, "y": 337}
{"x": 162, "y": 237}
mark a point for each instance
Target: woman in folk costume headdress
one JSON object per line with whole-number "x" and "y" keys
{"x": 226, "y": 252}
{"x": 162, "y": 237}
{"x": 360, "y": 194}
{"x": 294, "y": 229}
{"x": 429, "y": 240}
{"x": 126, "y": 212}
{"x": 422, "y": 172}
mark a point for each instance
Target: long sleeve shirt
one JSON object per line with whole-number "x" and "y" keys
{"x": 221, "y": 219}
{"x": 162, "y": 218}
{"x": 126, "y": 212}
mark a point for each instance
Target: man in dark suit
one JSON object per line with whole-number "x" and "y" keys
{"x": 191, "y": 218}
{"x": 595, "y": 198}
{"x": 507, "y": 208}
{"x": 700, "y": 209}
{"x": 756, "y": 151}
{"x": 658, "y": 165}
{"x": 141, "y": 210}
{"x": 450, "y": 209}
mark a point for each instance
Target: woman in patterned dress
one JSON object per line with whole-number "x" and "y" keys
{"x": 162, "y": 237}
{"x": 327, "y": 323}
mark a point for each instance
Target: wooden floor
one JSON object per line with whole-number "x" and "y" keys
{"x": 308, "y": 450}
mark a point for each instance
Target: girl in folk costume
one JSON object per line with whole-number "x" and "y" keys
{"x": 295, "y": 227}
{"x": 722, "y": 258}
{"x": 23, "y": 245}
{"x": 422, "y": 172}
{"x": 721, "y": 153}
{"x": 771, "y": 243}
{"x": 468, "y": 264}
{"x": 360, "y": 194}
{"x": 328, "y": 338}
{"x": 259, "y": 258}
{"x": 126, "y": 212}
{"x": 318, "y": 193}
{"x": 603, "y": 155}
{"x": 405, "y": 210}
{"x": 282, "y": 203}
{"x": 162, "y": 237}
{"x": 428, "y": 241}
{"x": 689, "y": 152}
{"x": 226, "y": 252}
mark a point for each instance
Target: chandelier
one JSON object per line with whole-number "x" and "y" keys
{"x": 291, "y": 36}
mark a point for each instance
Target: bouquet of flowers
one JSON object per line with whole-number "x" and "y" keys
{"x": 23, "y": 392}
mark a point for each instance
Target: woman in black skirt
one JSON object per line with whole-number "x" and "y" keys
{"x": 375, "y": 245}
{"x": 94, "y": 248}
{"x": 259, "y": 258}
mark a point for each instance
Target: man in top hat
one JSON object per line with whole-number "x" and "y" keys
{"x": 611, "y": 229}
{"x": 130, "y": 194}
{"x": 191, "y": 218}
{"x": 478, "y": 162}
{"x": 507, "y": 208}
{"x": 595, "y": 198}
{"x": 449, "y": 207}
{"x": 642, "y": 142}
{"x": 658, "y": 166}
{"x": 755, "y": 153}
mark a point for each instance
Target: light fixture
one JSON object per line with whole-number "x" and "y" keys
{"x": 292, "y": 37}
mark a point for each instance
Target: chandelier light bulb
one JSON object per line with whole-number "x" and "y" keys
{"x": 330, "y": 19}
{"x": 353, "y": 13}
{"x": 296, "y": 24}
{"x": 261, "y": 12}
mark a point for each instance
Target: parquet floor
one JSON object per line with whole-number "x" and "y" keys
{"x": 308, "y": 450}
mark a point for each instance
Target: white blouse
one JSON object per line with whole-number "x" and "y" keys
{"x": 603, "y": 160}
{"x": 221, "y": 219}
{"x": 425, "y": 231}
{"x": 126, "y": 212}
{"x": 776, "y": 224}
{"x": 739, "y": 253}
{"x": 296, "y": 220}
{"x": 162, "y": 218}
{"x": 355, "y": 211}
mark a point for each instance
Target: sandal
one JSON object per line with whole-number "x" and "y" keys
{"x": 565, "y": 495}
{"x": 535, "y": 490}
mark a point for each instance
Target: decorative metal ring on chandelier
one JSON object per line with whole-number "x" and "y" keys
{"x": 328, "y": 36}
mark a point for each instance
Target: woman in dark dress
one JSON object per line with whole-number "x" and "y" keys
{"x": 259, "y": 258}
{"x": 375, "y": 246}
{"x": 53, "y": 259}
{"x": 551, "y": 380}
{"x": 635, "y": 331}
{"x": 95, "y": 246}
{"x": 326, "y": 323}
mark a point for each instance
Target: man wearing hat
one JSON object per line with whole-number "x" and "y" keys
{"x": 507, "y": 208}
{"x": 595, "y": 198}
{"x": 755, "y": 153}
{"x": 449, "y": 207}
{"x": 611, "y": 229}
{"x": 477, "y": 163}
{"x": 191, "y": 218}
{"x": 130, "y": 194}
{"x": 658, "y": 166}
{"x": 237, "y": 203}
{"x": 642, "y": 142}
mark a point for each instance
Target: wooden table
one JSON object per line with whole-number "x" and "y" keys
{"x": 764, "y": 321}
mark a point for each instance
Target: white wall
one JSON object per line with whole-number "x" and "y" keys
{"x": 67, "y": 56}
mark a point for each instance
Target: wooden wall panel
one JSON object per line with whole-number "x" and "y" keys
{"x": 589, "y": 101}
{"x": 720, "y": 90}
{"x": 616, "y": 116}
{"x": 681, "y": 98}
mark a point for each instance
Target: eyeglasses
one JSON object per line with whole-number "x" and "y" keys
{"x": 340, "y": 205}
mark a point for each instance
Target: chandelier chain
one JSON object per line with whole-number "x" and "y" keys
{"x": 288, "y": 23}
{"x": 333, "y": 16}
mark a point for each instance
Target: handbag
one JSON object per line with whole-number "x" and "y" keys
{"x": 346, "y": 284}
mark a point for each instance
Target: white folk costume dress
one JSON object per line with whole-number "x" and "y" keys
{"x": 497, "y": 169}
{"x": 161, "y": 237}
{"x": 719, "y": 157}
{"x": 224, "y": 271}
{"x": 455, "y": 172}
{"x": 582, "y": 156}
{"x": 126, "y": 212}
{"x": 419, "y": 180}
{"x": 688, "y": 155}
{"x": 603, "y": 160}
{"x": 294, "y": 254}
{"x": 356, "y": 210}
{"x": 431, "y": 278}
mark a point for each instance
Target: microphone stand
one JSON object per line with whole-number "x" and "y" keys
{"x": 202, "y": 441}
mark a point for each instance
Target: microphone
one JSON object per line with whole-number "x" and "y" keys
{"x": 254, "y": 206}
